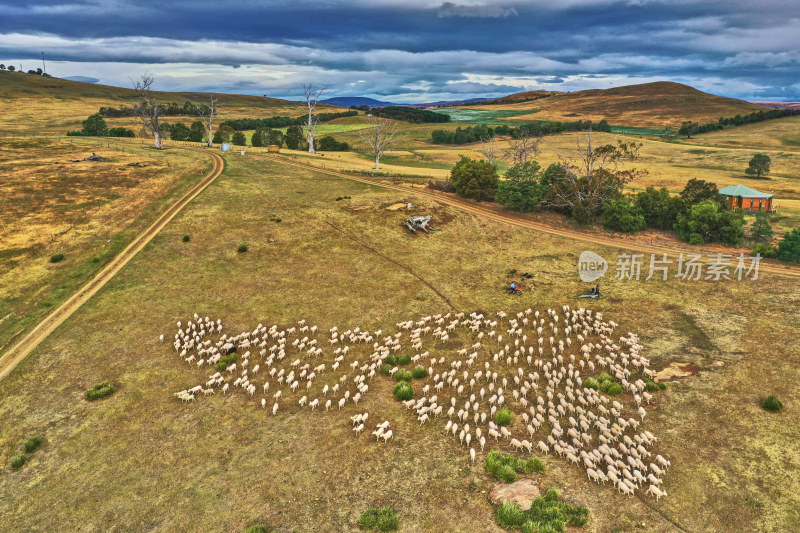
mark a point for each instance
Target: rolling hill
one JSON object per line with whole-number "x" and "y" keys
{"x": 34, "y": 104}
{"x": 653, "y": 105}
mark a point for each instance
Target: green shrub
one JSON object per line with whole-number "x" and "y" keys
{"x": 614, "y": 389}
{"x": 403, "y": 391}
{"x": 391, "y": 360}
{"x": 506, "y": 474}
{"x": 506, "y": 467}
{"x": 186, "y": 239}
{"x": 765, "y": 250}
{"x": 605, "y": 376}
{"x": 503, "y": 417}
{"x": 18, "y": 460}
{"x": 771, "y": 403}
{"x": 32, "y": 444}
{"x": 591, "y": 383}
{"x": 510, "y": 514}
{"x": 242, "y": 248}
{"x": 56, "y": 258}
{"x": 419, "y": 372}
{"x": 551, "y": 495}
{"x": 101, "y": 390}
{"x": 257, "y": 529}
{"x": 623, "y": 216}
{"x": 652, "y": 386}
{"x": 789, "y": 246}
{"x": 404, "y": 359}
{"x": 383, "y": 519}
{"x": 386, "y": 368}
{"x": 403, "y": 375}
{"x": 578, "y": 515}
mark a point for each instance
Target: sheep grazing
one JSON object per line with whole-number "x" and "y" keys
{"x": 538, "y": 372}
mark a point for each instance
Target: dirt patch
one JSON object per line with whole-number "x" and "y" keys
{"x": 522, "y": 491}
{"x": 676, "y": 370}
{"x": 399, "y": 206}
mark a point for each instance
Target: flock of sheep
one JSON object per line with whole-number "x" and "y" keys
{"x": 533, "y": 363}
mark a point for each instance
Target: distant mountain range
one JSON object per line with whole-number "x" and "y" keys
{"x": 348, "y": 101}
{"x": 779, "y": 105}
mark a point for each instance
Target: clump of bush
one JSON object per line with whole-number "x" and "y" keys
{"x": 101, "y": 390}
{"x": 591, "y": 383}
{"x": 383, "y": 519}
{"x": 386, "y": 368}
{"x": 56, "y": 258}
{"x": 403, "y": 391}
{"x": 257, "y": 529}
{"x": 403, "y": 375}
{"x": 765, "y": 250}
{"x": 505, "y": 467}
{"x": 548, "y": 514}
{"x": 225, "y": 361}
{"x": 391, "y": 360}
{"x": 242, "y": 248}
{"x": 18, "y": 460}
{"x": 419, "y": 372}
{"x": 404, "y": 359}
{"x": 186, "y": 238}
{"x": 772, "y": 403}
{"x": 608, "y": 384}
{"x": 652, "y": 386}
{"x": 503, "y": 417}
{"x": 32, "y": 444}
{"x": 340, "y": 198}
{"x": 510, "y": 515}
{"x": 276, "y": 219}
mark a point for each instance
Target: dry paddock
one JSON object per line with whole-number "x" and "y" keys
{"x": 143, "y": 461}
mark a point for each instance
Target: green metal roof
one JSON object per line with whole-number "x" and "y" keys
{"x": 744, "y": 192}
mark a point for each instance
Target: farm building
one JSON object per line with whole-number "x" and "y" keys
{"x": 750, "y": 200}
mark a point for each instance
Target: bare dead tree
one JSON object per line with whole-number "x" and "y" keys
{"x": 489, "y": 148}
{"x": 522, "y": 148}
{"x": 381, "y": 135}
{"x": 208, "y": 112}
{"x": 312, "y": 96}
{"x": 147, "y": 108}
{"x": 596, "y": 179}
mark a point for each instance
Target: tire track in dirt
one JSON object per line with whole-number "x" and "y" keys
{"x": 16, "y": 354}
{"x": 508, "y": 218}
{"x": 401, "y": 265}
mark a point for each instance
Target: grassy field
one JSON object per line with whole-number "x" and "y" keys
{"x": 649, "y": 105}
{"x": 142, "y": 460}
{"x": 36, "y": 105}
{"x": 87, "y": 211}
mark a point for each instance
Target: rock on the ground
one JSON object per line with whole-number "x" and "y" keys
{"x": 523, "y": 491}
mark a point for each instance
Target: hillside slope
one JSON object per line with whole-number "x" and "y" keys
{"x": 652, "y": 105}
{"x": 33, "y": 104}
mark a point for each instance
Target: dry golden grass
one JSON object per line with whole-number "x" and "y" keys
{"x": 37, "y": 105}
{"x": 143, "y": 460}
{"x": 653, "y": 105}
{"x": 87, "y": 211}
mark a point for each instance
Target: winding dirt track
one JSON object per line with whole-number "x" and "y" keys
{"x": 18, "y": 352}
{"x": 509, "y": 218}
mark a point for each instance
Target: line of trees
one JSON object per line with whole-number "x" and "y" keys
{"x": 241, "y": 124}
{"x": 410, "y": 114}
{"x": 36, "y": 72}
{"x": 472, "y": 134}
{"x": 590, "y": 189}
{"x": 690, "y": 128}
{"x": 95, "y": 126}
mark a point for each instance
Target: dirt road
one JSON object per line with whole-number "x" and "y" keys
{"x": 18, "y": 352}
{"x": 509, "y": 218}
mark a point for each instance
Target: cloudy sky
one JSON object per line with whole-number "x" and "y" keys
{"x": 413, "y": 50}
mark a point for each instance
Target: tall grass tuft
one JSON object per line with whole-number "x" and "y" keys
{"x": 101, "y": 390}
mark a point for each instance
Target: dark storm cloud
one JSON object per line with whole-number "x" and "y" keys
{"x": 416, "y": 49}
